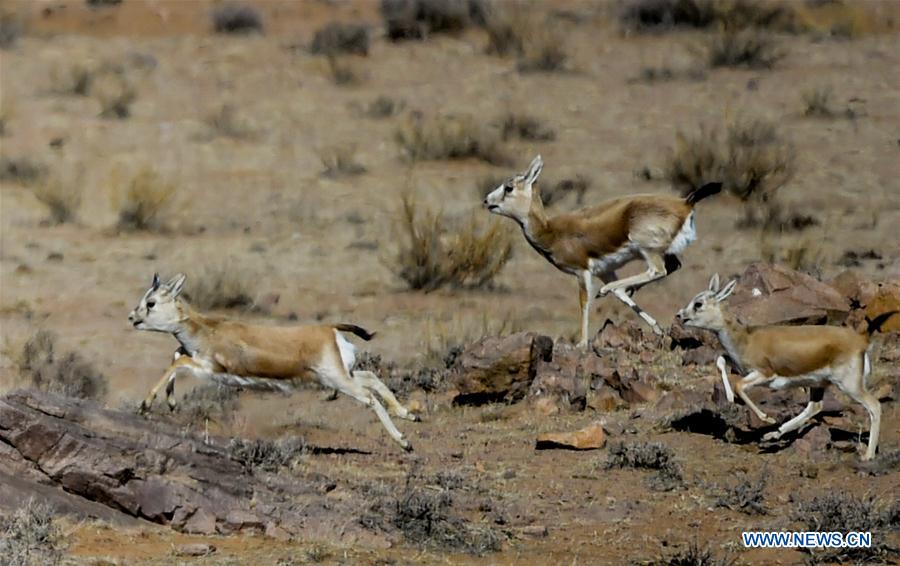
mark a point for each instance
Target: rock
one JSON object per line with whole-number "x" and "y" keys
{"x": 626, "y": 335}
{"x": 562, "y": 379}
{"x": 855, "y": 286}
{"x": 701, "y": 347}
{"x": 604, "y": 399}
{"x": 589, "y": 438}
{"x": 499, "y": 368}
{"x": 95, "y": 462}
{"x": 194, "y": 549}
{"x": 773, "y": 294}
{"x": 533, "y": 531}
{"x": 886, "y": 299}
{"x": 640, "y": 391}
{"x": 702, "y": 356}
{"x": 276, "y": 532}
{"x": 814, "y": 442}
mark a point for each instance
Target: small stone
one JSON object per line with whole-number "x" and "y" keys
{"x": 202, "y": 522}
{"x": 639, "y": 391}
{"x": 533, "y": 531}
{"x": 604, "y": 400}
{"x": 194, "y": 549}
{"x": 237, "y": 520}
{"x": 589, "y": 438}
{"x": 545, "y": 405}
{"x": 276, "y": 532}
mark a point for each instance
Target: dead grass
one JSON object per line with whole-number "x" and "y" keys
{"x": 342, "y": 71}
{"x": 433, "y": 253}
{"x": 209, "y": 402}
{"x": 692, "y": 555}
{"x": 417, "y": 19}
{"x": 665, "y": 15}
{"x": 337, "y": 37}
{"x": 227, "y": 122}
{"x": 114, "y": 92}
{"x": 221, "y": 285}
{"x": 29, "y": 537}
{"x": 748, "y": 48}
{"x": 340, "y": 161}
{"x": 267, "y": 455}
{"x": 647, "y": 456}
{"x": 21, "y": 170}
{"x": 653, "y": 75}
{"x": 232, "y": 18}
{"x": 144, "y": 201}
{"x": 525, "y": 127}
{"x": 62, "y": 196}
{"x": 383, "y": 107}
{"x": 517, "y": 29}
{"x": 753, "y": 160}
{"x": 747, "y": 495}
{"x": 43, "y": 367}
{"x": 839, "y": 512}
{"x": 450, "y": 137}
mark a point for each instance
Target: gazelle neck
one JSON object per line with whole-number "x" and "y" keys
{"x": 733, "y": 336}
{"x": 191, "y": 329}
{"x": 534, "y": 224}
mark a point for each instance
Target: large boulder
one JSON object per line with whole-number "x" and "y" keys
{"x": 499, "y": 368}
{"x": 773, "y": 294}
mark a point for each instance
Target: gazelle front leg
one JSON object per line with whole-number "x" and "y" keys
{"x": 753, "y": 378}
{"x": 729, "y": 393}
{"x": 168, "y": 381}
{"x": 585, "y": 296}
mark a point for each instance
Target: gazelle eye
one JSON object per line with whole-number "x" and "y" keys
{"x": 507, "y": 189}
{"x": 151, "y": 304}
{"x": 698, "y": 305}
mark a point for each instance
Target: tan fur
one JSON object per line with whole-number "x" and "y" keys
{"x": 788, "y": 356}
{"x": 238, "y": 353}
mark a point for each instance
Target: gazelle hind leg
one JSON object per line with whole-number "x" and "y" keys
{"x": 370, "y": 381}
{"x": 852, "y": 382}
{"x": 335, "y": 375}
{"x": 623, "y": 296}
{"x": 812, "y": 409}
{"x": 656, "y": 269}
{"x": 585, "y": 296}
{"x": 753, "y": 378}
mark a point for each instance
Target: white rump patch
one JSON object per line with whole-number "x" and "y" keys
{"x": 867, "y": 367}
{"x": 347, "y": 350}
{"x": 685, "y": 236}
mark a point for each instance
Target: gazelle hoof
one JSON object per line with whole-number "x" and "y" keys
{"x": 406, "y": 445}
{"x": 767, "y": 419}
{"x": 413, "y": 417}
{"x": 774, "y": 435}
{"x": 142, "y": 410}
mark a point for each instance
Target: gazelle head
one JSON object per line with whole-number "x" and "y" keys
{"x": 514, "y": 197}
{"x": 704, "y": 310}
{"x": 159, "y": 308}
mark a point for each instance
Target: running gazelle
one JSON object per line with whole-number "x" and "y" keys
{"x": 790, "y": 356}
{"x": 596, "y": 241}
{"x": 251, "y": 355}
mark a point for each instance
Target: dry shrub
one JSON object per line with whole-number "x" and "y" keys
{"x": 651, "y": 75}
{"x": 839, "y": 19}
{"x": 840, "y": 512}
{"x": 237, "y": 19}
{"x": 11, "y": 30}
{"x": 143, "y": 202}
{"x": 753, "y": 160}
{"x": 227, "y": 122}
{"x": 71, "y": 80}
{"x": 267, "y": 455}
{"x": 664, "y": 15}
{"x": 518, "y": 30}
{"x": 450, "y": 137}
{"x": 221, "y": 285}
{"x": 524, "y": 127}
{"x": 338, "y": 37}
{"x": 342, "y": 71}
{"x": 647, "y": 456}
{"x": 416, "y": 19}
{"x": 434, "y": 254}
{"x": 748, "y": 48}
{"x": 68, "y": 373}
{"x": 692, "y": 555}
{"x": 61, "y": 195}
{"x": 112, "y": 88}
{"x": 383, "y": 107}
{"x": 817, "y": 103}
{"x": 207, "y": 402}
{"x": 340, "y": 161}
{"x": 29, "y": 537}
{"x": 20, "y": 170}
{"x": 747, "y": 495}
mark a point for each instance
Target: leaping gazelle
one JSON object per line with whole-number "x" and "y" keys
{"x": 790, "y": 356}
{"x": 598, "y": 240}
{"x": 270, "y": 357}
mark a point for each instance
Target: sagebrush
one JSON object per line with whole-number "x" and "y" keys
{"x": 144, "y": 201}
{"x": 29, "y": 537}
{"x": 45, "y": 367}
{"x": 450, "y": 137}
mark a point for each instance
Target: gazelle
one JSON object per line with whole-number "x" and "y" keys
{"x": 267, "y": 357}
{"x": 598, "y": 240}
{"x": 790, "y": 356}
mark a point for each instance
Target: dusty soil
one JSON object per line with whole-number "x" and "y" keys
{"x": 320, "y": 244}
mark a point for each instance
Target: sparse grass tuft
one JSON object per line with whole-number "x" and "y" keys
{"x": 752, "y": 161}
{"x": 23, "y": 170}
{"x": 749, "y": 48}
{"x": 665, "y": 15}
{"x": 693, "y": 555}
{"x": 383, "y": 107}
{"x": 267, "y": 455}
{"x": 817, "y": 102}
{"x": 226, "y": 122}
{"x": 554, "y": 192}
{"x": 11, "y": 30}
{"x": 651, "y": 75}
{"x": 112, "y": 88}
{"x": 61, "y": 196}
{"x": 207, "y": 402}
{"x": 69, "y": 374}
{"x": 524, "y": 127}
{"x": 237, "y": 19}
{"x": 417, "y": 19}
{"x": 339, "y": 37}
{"x": 518, "y": 30}
{"x": 433, "y": 254}
{"x": 340, "y": 161}
{"x": 647, "y": 456}
{"x": 342, "y": 71}
{"x": 29, "y": 537}
{"x": 450, "y": 137}
{"x": 747, "y": 496}
{"x": 143, "y": 202}
{"x": 221, "y": 285}
{"x": 840, "y": 512}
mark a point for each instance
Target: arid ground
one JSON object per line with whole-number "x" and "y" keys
{"x": 250, "y": 194}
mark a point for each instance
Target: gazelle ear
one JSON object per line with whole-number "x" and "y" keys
{"x": 714, "y": 283}
{"x": 534, "y": 170}
{"x": 175, "y": 284}
{"x": 155, "y": 283}
{"x": 729, "y": 288}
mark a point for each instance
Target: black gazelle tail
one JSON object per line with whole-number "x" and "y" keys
{"x": 358, "y": 330}
{"x": 707, "y": 190}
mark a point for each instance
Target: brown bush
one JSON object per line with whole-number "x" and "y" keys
{"x": 517, "y": 29}
{"x": 434, "y": 254}
{"x": 221, "y": 285}
{"x": 143, "y": 201}
{"x": 417, "y": 19}
{"x": 338, "y": 37}
{"x": 237, "y": 19}
{"x": 340, "y": 161}
{"x": 749, "y": 48}
{"x": 30, "y": 537}
{"x": 62, "y": 197}
{"x": 450, "y": 137}
{"x": 524, "y": 127}
{"x": 68, "y": 373}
